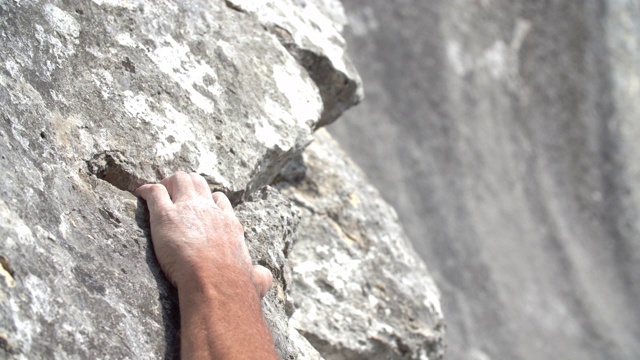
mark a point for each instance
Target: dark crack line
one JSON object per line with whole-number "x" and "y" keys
{"x": 233, "y": 6}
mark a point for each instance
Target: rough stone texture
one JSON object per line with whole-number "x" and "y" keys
{"x": 270, "y": 224}
{"x": 311, "y": 31}
{"x": 185, "y": 83}
{"x": 506, "y": 135}
{"x": 359, "y": 289}
{"x": 128, "y": 92}
{"x": 99, "y": 97}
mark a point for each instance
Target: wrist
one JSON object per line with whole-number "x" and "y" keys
{"x": 217, "y": 282}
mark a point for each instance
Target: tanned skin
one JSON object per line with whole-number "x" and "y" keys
{"x": 200, "y": 246}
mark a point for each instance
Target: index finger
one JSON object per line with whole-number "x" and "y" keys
{"x": 155, "y": 195}
{"x": 179, "y": 186}
{"x": 222, "y": 201}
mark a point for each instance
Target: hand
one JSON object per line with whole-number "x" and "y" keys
{"x": 196, "y": 235}
{"x": 200, "y": 246}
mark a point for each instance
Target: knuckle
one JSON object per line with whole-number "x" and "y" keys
{"x": 197, "y": 178}
{"x": 156, "y": 188}
{"x": 180, "y": 175}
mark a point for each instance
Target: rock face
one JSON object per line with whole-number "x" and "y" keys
{"x": 359, "y": 289}
{"x": 506, "y": 134}
{"x": 99, "y": 97}
{"x": 312, "y": 34}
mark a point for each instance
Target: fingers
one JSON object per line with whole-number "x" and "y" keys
{"x": 263, "y": 279}
{"x": 222, "y": 201}
{"x": 179, "y": 186}
{"x": 156, "y": 195}
{"x": 200, "y": 185}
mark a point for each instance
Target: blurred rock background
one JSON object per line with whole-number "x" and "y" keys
{"x": 506, "y": 134}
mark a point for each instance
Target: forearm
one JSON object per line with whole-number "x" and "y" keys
{"x": 221, "y": 318}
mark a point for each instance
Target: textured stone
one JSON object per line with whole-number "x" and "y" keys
{"x": 185, "y": 82}
{"x": 359, "y": 289}
{"x": 506, "y": 135}
{"x": 270, "y": 230}
{"x": 311, "y": 31}
{"x": 99, "y": 97}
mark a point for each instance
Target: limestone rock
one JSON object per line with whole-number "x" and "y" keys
{"x": 196, "y": 86}
{"x": 311, "y": 31}
{"x": 270, "y": 230}
{"x": 99, "y": 97}
{"x": 359, "y": 289}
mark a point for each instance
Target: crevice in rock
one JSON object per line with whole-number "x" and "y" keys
{"x": 233, "y": 6}
{"x": 293, "y": 172}
{"x": 115, "y": 168}
{"x": 270, "y": 168}
{"x": 236, "y": 197}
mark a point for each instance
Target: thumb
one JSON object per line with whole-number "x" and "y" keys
{"x": 262, "y": 279}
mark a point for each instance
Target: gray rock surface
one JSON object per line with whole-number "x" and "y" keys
{"x": 271, "y": 224}
{"x": 99, "y": 97}
{"x": 359, "y": 289}
{"x": 190, "y": 89}
{"x": 311, "y": 32}
{"x": 128, "y": 92}
{"x": 506, "y": 135}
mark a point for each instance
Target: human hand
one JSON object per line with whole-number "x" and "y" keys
{"x": 196, "y": 235}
